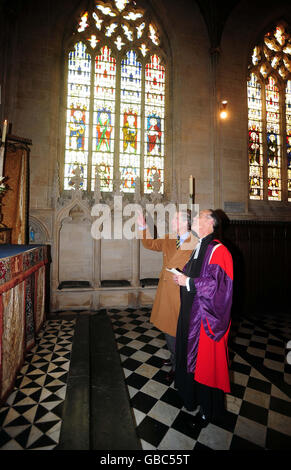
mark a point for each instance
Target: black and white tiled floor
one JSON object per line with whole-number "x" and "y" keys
{"x": 264, "y": 339}
{"x": 31, "y": 416}
{"x": 259, "y": 405}
{"x": 258, "y": 412}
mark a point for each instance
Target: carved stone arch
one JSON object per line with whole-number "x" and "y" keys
{"x": 76, "y": 212}
{"x": 38, "y": 232}
{"x": 76, "y": 204}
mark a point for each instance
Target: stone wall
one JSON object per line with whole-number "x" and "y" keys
{"x": 198, "y": 143}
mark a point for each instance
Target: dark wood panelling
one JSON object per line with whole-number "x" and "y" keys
{"x": 262, "y": 265}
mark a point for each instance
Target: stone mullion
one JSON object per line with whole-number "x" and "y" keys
{"x": 143, "y": 127}
{"x": 117, "y": 118}
{"x": 64, "y": 116}
{"x": 90, "y": 136}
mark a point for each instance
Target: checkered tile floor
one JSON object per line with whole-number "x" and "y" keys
{"x": 280, "y": 324}
{"x": 264, "y": 339}
{"x": 31, "y": 416}
{"x": 259, "y": 408}
{"x": 258, "y": 412}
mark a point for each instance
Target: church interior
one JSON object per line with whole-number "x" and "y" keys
{"x": 117, "y": 104}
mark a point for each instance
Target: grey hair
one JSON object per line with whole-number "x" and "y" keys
{"x": 215, "y": 218}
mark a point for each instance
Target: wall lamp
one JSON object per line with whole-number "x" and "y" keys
{"x": 223, "y": 109}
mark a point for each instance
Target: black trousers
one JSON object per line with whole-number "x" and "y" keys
{"x": 171, "y": 342}
{"x": 211, "y": 401}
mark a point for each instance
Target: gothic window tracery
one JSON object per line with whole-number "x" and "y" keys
{"x": 115, "y": 108}
{"x": 269, "y": 117}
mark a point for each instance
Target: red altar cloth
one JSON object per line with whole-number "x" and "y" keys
{"x": 22, "y": 306}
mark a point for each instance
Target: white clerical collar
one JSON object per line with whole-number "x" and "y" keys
{"x": 198, "y": 246}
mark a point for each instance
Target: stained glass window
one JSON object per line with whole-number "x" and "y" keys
{"x": 273, "y": 140}
{"x": 269, "y": 95}
{"x": 154, "y": 122}
{"x": 130, "y": 121}
{"x": 78, "y": 107}
{"x": 104, "y": 119}
{"x": 115, "y": 125}
{"x": 255, "y": 138}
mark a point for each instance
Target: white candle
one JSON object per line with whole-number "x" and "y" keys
{"x": 4, "y": 131}
{"x": 191, "y": 185}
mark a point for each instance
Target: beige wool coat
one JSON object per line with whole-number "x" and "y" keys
{"x": 166, "y": 307}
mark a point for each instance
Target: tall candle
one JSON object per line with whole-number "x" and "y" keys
{"x": 191, "y": 185}
{"x": 4, "y": 131}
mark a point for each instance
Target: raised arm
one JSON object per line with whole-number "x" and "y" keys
{"x": 155, "y": 244}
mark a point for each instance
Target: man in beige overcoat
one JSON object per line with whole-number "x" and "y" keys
{"x": 166, "y": 305}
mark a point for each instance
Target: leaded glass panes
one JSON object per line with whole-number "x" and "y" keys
{"x": 273, "y": 140}
{"x": 154, "y": 123}
{"x": 153, "y": 35}
{"x": 133, "y": 16}
{"x": 106, "y": 10}
{"x": 104, "y": 118}
{"x": 130, "y": 121}
{"x": 255, "y": 138}
{"x": 77, "y": 115}
{"x": 121, "y": 4}
{"x": 83, "y": 24}
{"x": 140, "y": 29}
{"x": 116, "y": 99}
{"x": 98, "y": 21}
{"x": 269, "y": 116}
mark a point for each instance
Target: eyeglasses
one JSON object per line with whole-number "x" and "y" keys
{"x": 201, "y": 216}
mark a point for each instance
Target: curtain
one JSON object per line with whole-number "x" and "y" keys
{"x": 15, "y": 200}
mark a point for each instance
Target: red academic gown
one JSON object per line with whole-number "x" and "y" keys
{"x": 207, "y": 355}
{"x": 212, "y": 366}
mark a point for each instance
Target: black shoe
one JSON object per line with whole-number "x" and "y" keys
{"x": 170, "y": 376}
{"x": 191, "y": 408}
{"x": 197, "y": 422}
{"x": 167, "y": 362}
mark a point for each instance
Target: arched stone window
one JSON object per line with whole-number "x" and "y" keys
{"x": 269, "y": 116}
{"x": 115, "y": 105}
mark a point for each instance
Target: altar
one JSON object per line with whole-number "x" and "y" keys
{"x": 22, "y": 306}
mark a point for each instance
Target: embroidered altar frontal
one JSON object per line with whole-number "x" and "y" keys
{"x": 22, "y": 306}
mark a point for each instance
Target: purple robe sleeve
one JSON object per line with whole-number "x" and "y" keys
{"x": 214, "y": 297}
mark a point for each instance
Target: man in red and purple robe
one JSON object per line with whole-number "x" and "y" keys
{"x": 202, "y": 375}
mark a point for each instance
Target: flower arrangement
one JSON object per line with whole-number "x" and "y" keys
{"x": 3, "y": 186}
